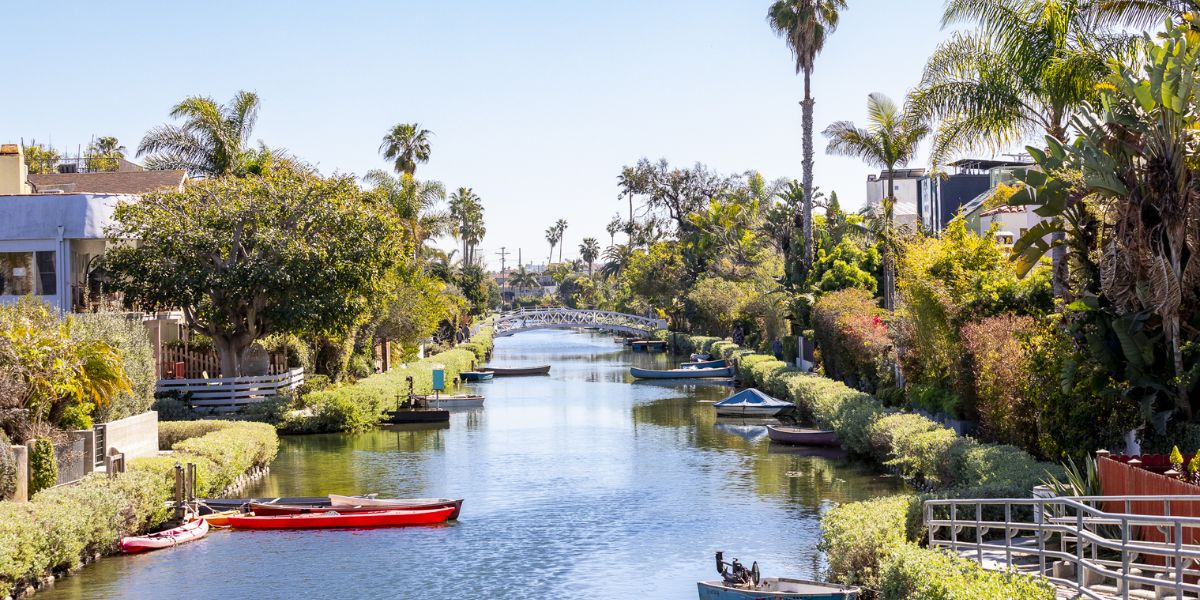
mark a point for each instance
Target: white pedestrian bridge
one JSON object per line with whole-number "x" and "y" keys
{"x": 530, "y": 319}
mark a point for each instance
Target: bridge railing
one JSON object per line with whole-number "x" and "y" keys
{"x": 540, "y": 318}
{"x": 1093, "y": 545}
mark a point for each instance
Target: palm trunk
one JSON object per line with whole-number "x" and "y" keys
{"x": 806, "y": 117}
{"x": 889, "y": 261}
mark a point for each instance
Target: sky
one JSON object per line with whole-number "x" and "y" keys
{"x": 536, "y": 105}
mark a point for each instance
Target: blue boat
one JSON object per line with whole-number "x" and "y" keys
{"x": 751, "y": 403}
{"x": 476, "y": 375}
{"x": 704, "y": 364}
{"x": 680, "y": 373}
{"x": 739, "y": 583}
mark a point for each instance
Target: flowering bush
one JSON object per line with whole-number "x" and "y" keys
{"x": 996, "y": 352}
{"x": 853, "y": 335}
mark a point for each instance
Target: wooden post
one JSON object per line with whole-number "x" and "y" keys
{"x": 179, "y": 492}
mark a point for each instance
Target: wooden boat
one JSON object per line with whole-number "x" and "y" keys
{"x": 165, "y": 539}
{"x": 417, "y": 415}
{"x": 648, "y": 345}
{"x": 476, "y": 375}
{"x": 751, "y": 403}
{"x": 517, "y": 371}
{"x": 777, "y": 588}
{"x": 680, "y": 373}
{"x": 454, "y": 401}
{"x": 396, "y": 504}
{"x": 704, "y": 364}
{"x": 221, "y": 518}
{"x": 800, "y": 436}
{"x": 332, "y": 518}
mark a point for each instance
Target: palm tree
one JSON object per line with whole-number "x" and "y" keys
{"x": 1148, "y": 14}
{"x": 616, "y": 257}
{"x": 612, "y": 228}
{"x": 628, "y": 181}
{"x": 805, "y": 25}
{"x": 414, "y": 203}
{"x": 889, "y": 141}
{"x": 589, "y": 251}
{"x": 1028, "y": 69}
{"x": 561, "y": 227}
{"x": 553, "y": 235}
{"x": 407, "y": 144}
{"x": 104, "y": 154}
{"x": 212, "y": 140}
{"x": 523, "y": 279}
{"x": 466, "y": 211}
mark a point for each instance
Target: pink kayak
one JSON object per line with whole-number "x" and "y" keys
{"x": 165, "y": 539}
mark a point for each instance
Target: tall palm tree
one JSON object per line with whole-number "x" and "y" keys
{"x": 1026, "y": 70}
{"x": 890, "y": 140}
{"x": 212, "y": 140}
{"x": 615, "y": 257}
{"x": 628, "y": 181}
{"x": 553, "y": 235}
{"x": 1148, "y": 14}
{"x": 589, "y": 251}
{"x": 466, "y": 212}
{"x": 406, "y": 144}
{"x": 104, "y": 154}
{"x": 561, "y": 227}
{"x": 612, "y": 228}
{"x": 805, "y": 25}
{"x": 415, "y": 204}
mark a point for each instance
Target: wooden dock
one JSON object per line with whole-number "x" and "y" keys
{"x": 648, "y": 345}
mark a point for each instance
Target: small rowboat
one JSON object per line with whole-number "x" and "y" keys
{"x": 165, "y": 539}
{"x": 704, "y": 364}
{"x": 751, "y": 403}
{"x": 221, "y": 519}
{"x": 777, "y": 588}
{"x": 475, "y": 375}
{"x": 331, "y": 519}
{"x": 799, "y": 436}
{"x": 454, "y": 401}
{"x": 517, "y": 371}
{"x": 680, "y": 373}
{"x": 397, "y": 503}
{"x": 270, "y": 510}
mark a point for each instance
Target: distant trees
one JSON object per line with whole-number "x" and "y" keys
{"x": 104, "y": 154}
{"x": 406, "y": 145}
{"x": 589, "y": 251}
{"x": 40, "y": 159}
{"x": 466, "y": 215}
{"x": 213, "y": 139}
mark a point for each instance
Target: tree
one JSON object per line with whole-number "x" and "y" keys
{"x": 589, "y": 251}
{"x": 553, "y": 235}
{"x": 104, "y": 154}
{"x": 524, "y": 279}
{"x": 616, "y": 258}
{"x": 414, "y": 203}
{"x": 890, "y": 140}
{"x": 561, "y": 227}
{"x": 287, "y": 252}
{"x": 1147, "y": 14}
{"x": 466, "y": 213}
{"x": 211, "y": 141}
{"x": 804, "y": 25}
{"x": 40, "y": 159}
{"x": 612, "y": 228}
{"x": 407, "y": 145}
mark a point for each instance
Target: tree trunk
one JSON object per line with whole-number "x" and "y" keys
{"x": 1059, "y": 272}
{"x": 889, "y": 261}
{"x": 229, "y": 350}
{"x": 806, "y": 117}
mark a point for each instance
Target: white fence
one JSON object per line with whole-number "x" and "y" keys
{"x": 230, "y": 393}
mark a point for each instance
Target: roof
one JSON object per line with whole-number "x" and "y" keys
{"x": 116, "y": 182}
{"x": 1003, "y": 208}
{"x": 988, "y": 163}
{"x": 38, "y": 216}
{"x": 898, "y": 174}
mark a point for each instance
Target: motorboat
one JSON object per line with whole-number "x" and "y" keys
{"x": 165, "y": 539}
{"x": 801, "y": 436}
{"x": 476, "y": 375}
{"x": 751, "y": 403}
{"x": 680, "y": 373}
{"x": 739, "y": 583}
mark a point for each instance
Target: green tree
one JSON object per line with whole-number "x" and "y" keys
{"x": 890, "y": 140}
{"x": 553, "y": 235}
{"x": 466, "y": 214}
{"x": 612, "y": 228}
{"x": 212, "y": 140}
{"x": 40, "y": 159}
{"x": 805, "y": 25}
{"x": 104, "y": 154}
{"x": 415, "y": 204}
{"x": 287, "y": 252}
{"x": 560, "y": 227}
{"x": 655, "y": 278}
{"x": 524, "y": 279}
{"x": 615, "y": 259}
{"x": 589, "y": 251}
{"x": 406, "y": 145}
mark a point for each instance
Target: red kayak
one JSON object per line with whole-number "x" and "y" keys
{"x": 269, "y": 510}
{"x": 331, "y": 518}
{"x": 165, "y": 539}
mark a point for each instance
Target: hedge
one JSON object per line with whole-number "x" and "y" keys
{"x": 63, "y": 526}
{"x": 43, "y": 465}
{"x": 909, "y": 571}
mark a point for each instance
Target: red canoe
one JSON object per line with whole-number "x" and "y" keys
{"x": 331, "y": 518}
{"x": 165, "y": 539}
{"x": 269, "y": 510}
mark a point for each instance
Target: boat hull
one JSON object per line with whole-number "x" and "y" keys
{"x": 271, "y": 510}
{"x": 704, "y": 364}
{"x": 777, "y": 588}
{"x": 750, "y": 411}
{"x": 799, "y": 436}
{"x": 396, "y": 503}
{"x": 455, "y": 401}
{"x": 417, "y": 415}
{"x": 165, "y": 539}
{"x": 475, "y": 375}
{"x": 518, "y": 371}
{"x": 680, "y": 373}
{"x": 332, "y": 519}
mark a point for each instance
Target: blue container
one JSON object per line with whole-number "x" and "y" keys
{"x": 439, "y": 378}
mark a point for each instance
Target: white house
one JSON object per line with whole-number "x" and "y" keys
{"x": 1011, "y": 222}
{"x": 905, "y": 188}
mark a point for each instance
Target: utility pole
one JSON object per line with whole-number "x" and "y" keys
{"x": 503, "y": 253}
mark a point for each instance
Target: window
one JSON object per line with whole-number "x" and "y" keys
{"x": 24, "y": 273}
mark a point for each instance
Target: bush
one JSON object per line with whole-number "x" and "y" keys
{"x": 313, "y": 383}
{"x": 888, "y": 430}
{"x": 912, "y": 572}
{"x": 43, "y": 465}
{"x": 130, "y": 339}
{"x": 996, "y": 352}
{"x": 344, "y": 409}
{"x": 172, "y": 433}
{"x": 852, "y": 332}
{"x": 173, "y": 408}
{"x": 360, "y": 366}
{"x": 8, "y": 468}
{"x": 857, "y": 536}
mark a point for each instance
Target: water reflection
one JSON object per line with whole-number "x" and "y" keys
{"x": 570, "y": 480}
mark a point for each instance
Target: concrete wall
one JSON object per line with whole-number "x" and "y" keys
{"x": 21, "y": 453}
{"x": 14, "y": 174}
{"x": 136, "y": 436}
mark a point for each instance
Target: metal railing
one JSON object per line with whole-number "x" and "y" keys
{"x": 1078, "y": 544}
{"x": 527, "y": 319}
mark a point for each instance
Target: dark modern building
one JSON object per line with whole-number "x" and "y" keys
{"x": 941, "y": 196}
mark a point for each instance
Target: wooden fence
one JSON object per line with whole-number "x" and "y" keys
{"x": 198, "y": 364}
{"x": 230, "y": 393}
{"x": 1118, "y": 478}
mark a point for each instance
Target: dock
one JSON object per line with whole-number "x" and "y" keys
{"x": 648, "y": 345}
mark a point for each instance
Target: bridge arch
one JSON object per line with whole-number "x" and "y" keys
{"x": 530, "y": 319}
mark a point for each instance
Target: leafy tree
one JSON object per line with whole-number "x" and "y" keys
{"x": 589, "y": 251}
{"x": 656, "y": 276}
{"x": 40, "y": 159}
{"x": 476, "y": 287}
{"x": 287, "y": 252}
{"x": 407, "y": 145}
{"x": 890, "y": 140}
{"x": 104, "y": 154}
{"x": 415, "y": 204}
{"x": 212, "y": 140}
{"x": 805, "y": 25}
{"x": 845, "y": 265}
{"x": 466, "y": 214}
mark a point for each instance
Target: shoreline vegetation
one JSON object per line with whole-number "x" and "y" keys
{"x": 876, "y": 543}
{"x": 63, "y": 528}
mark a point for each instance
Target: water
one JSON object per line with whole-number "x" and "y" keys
{"x": 577, "y": 485}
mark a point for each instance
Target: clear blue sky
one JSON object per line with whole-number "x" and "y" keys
{"x": 534, "y": 104}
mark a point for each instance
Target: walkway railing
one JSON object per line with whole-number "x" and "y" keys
{"x": 1092, "y": 545}
{"x": 528, "y": 319}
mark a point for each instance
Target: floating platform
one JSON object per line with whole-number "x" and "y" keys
{"x": 649, "y": 345}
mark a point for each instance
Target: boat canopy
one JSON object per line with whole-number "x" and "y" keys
{"x": 751, "y": 397}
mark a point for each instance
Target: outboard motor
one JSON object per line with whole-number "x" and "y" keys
{"x": 736, "y": 573}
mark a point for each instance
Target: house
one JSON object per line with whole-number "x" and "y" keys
{"x": 942, "y": 195}
{"x": 1011, "y": 222}
{"x": 129, "y": 178}
{"x": 905, "y": 189}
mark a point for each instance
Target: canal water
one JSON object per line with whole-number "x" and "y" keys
{"x": 581, "y": 484}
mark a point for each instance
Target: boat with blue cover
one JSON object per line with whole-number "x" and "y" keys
{"x": 680, "y": 373}
{"x": 739, "y": 583}
{"x": 704, "y": 364}
{"x": 751, "y": 403}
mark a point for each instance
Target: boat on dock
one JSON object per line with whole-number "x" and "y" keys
{"x": 704, "y": 364}
{"x": 331, "y": 518}
{"x": 165, "y": 539}
{"x": 476, "y": 375}
{"x": 454, "y": 400}
{"x": 739, "y": 583}
{"x": 680, "y": 373}
{"x": 751, "y": 403}
{"x": 517, "y": 371}
{"x": 801, "y": 436}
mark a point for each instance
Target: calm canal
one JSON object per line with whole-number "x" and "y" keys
{"x": 577, "y": 485}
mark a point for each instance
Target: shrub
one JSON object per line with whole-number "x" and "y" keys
{"x": 8, "y": 468}
{"x": 272, "y": 410}
{"x": 360, "y": 366}
{"x": 852, "y": 332}
{"x": 173, "y": 408}
{"x": 857, "y": 536}
{"x": 43, "y": 465}
{"x": 908, "y": 571}
{"x": 130, "y": 339}
{"x": 996, "y": 353}
{"x": 933, "y": 457}
{"x": 172, "y": 433}
{"x": 313, "y": 383}
{"x": 887, "y": 430}
{"x": 348, "y": 408}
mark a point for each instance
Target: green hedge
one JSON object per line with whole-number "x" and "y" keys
{"x": 909, "y": 571}
{"x": 60, "y": 526}
{"x": 43, "y": 465}
{"x": 856, "y": 536}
